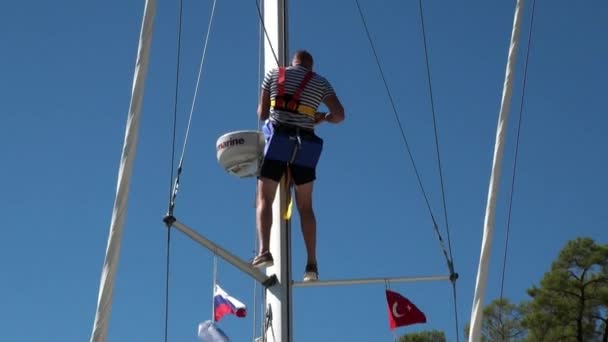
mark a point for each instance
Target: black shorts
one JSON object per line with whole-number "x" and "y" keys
{"x": 274, "y": 169}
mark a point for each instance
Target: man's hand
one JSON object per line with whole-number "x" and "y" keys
{"x": 264, "y": 105}
{"x": 319, "y": 117}
{"x": 336, "y": 111}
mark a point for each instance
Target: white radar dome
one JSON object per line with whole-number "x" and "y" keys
{"x": 240, "y": 152}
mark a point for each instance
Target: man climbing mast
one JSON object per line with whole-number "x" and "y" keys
{"x": 288, "y": 103}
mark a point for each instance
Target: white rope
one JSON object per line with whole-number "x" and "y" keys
{"x": 104, "y": 301}
{"x": 486, "y": 243}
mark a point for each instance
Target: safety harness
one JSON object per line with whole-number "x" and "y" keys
{"x": 291, "y": 103}
{"x": 292, "y": 144}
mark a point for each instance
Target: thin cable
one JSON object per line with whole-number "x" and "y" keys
{"x": 521, "y": 109}
{"x": 255, "y": 246}
{"x": 455, "y": 311}
{"x": 167, "y": 283}
{"x": 175, "y": 101}
{"x": 260, "y": 64}
{"x": 264, "y": 315}
{"x": 198, "y": 79}
{"x": 171, "y": 196}
{"x": 254, "y": 304}
{"x": 407, "y": 146}
{"x": 437, "y": 149}
{"x": 260, "y": 76}
{"x": 214, "y": 285}
{"x": 255, "y": 295}
{"x": 428, "y": 74}
{"x": 257, "y": 5}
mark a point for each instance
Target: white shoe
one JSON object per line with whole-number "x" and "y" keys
{"x": 311, "y": 273}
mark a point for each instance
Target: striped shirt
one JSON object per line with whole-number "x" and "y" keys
{"x": 317, "y": 89}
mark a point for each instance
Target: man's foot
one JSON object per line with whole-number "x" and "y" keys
{"x": 311, "y": 273}
{"x": 263, "y": 260}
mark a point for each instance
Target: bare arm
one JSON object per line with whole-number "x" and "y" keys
{"x": 336, "y": 111}
{"x": 264, "y": 105}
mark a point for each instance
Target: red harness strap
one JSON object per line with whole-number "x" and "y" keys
{"x": 293, "y": 102}
{"x": 281, "y": 81}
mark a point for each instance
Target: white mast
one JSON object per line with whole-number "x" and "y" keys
{"x": 104, "y": 301}
{"x": 486, "y": 243}
{"x": 278, "y": 297}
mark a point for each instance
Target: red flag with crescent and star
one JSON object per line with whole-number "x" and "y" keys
{"x": 401, "y": 311}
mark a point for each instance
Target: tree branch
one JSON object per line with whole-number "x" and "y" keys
{"x": 574, "y": 275}
{"x": 573, "y": 294}
{"x": 596, "y": 280}
{"x": 605, "y": 320}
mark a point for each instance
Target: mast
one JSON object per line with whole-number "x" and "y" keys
{"x": 488, "y": 229}
{"x": 104, "y": 300}
{"x": 278, "y": 297}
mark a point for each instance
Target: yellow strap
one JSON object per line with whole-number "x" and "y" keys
{"x": 302, "y": 109}
{"x": 287, "y": 215}
{"x": 288, "y": 211}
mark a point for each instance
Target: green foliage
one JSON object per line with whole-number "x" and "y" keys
{"x": 570, "y": 304}
{"x": 424, "y": 336}
{"x": 502, "y": 322}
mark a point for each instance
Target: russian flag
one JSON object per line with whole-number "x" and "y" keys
{"x": 226, "y": 304}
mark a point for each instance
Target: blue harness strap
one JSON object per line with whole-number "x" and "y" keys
{"x": 292, "y": 145}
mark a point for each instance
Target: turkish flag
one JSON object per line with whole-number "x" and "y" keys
{"x": 401, "y": 311}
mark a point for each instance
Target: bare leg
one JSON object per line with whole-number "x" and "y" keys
{"x": 267, "y": 189}
{"x": 308, "y": 220}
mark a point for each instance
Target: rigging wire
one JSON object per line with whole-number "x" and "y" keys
{"x": 445, "y": 210}
{"x": 407, "y": 146}
{"x": 261, "y": 16}
{"x": 175, "y": 102}
{"x": 167, "y": 263}
{"x": 449, "y": 258}
{"x": 428, "y": 74}
{"x": 174, "y": 186}
{"x": 198, "y": 80}
{"x": 521, "y": 109}
{"x": 255, "y": 283}
{"x": 260, "y": 71}
{"x": 253, "y": 305}
{"x": 262, "y": 26}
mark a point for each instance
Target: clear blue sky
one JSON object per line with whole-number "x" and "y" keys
{"x": 66, "y": 73}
